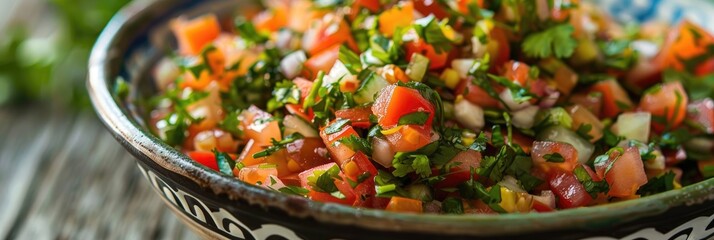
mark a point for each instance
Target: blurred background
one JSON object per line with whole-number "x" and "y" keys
{"x": 62, "y": 175}
{"x": 44, "y": 50}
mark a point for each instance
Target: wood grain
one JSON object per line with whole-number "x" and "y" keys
{"x": 65, "y": 177}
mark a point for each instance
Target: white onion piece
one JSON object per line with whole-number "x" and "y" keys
{"x": 291, "y": 65}
{"x": 546, "y": 198}
{"x": 382, "y": 152}
{"x": 165, "y": 73}
{"x": 294, "y": 124}
{"x": 477, "y": 48}
{"x": 550, "y": 99}
{"x": 511, "y": 183}
{"x": 525, "y": 118}
{"x": 338, "y": 72}
{"x": 646, "y": 49}
{"x": 507, "y": 97}
{"x": 462, "y": 66}
{"x": 633, "y": 126}
{"x": 469, "y": 115}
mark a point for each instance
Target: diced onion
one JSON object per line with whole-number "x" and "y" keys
{"x": 382, "y": 152}
{"x": 507, "y": 97}
{"x": 511, "y": 183}
{"x": 291, "y": 65}
{"x": 462, "y": 66}
{"x": 525, "y": 118}
{"x": 468, "y": 114}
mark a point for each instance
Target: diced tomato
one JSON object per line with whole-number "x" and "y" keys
{"x": 193, "y": 35}
{"x": 517, "y": 72}
{"x": 396, "y": 101}
{"x": 322, "y": 196}
{"x": 399, "y": 16}
{"x": 614, "y": 98}
{"x": 208, "y": 159}
{"x": 296, "y": 109}
{"x": 340, "y": 153}
{"x": 257, "y": 127}
{"x": 582, "y": 117}
{"x": 545, "y": 155}
{"x": 257, "y": 174}
{"x": 358, "y": 165}
{"x": 400, "y": 204}
{"x": 409, "y": 138}
{"x": 323, "y": 61}
{"x": 333, "y": 31}
{"x": 701, "y": 112}
{"x": 476, "y": 94}
{"x": 304, "y": 85}
{"x": 592, "y": 101}
{"x": 461, "y": 170}
{"x": 426, "y": 7}
{"x": 498, "y": 47}
{"x": 250, "y": 148}
{"x": 436, "y": 60}
{"x": 308, "y": 153}
{"x": 684, "y": 42}
{"x": 358, "y": 116}
{"x": 371, "y": 5}
{"x": 624, "y": 172}
{"x": 463, "y": 5}
{"x": 705, "y": 68}
{"x": 667, "y": 103}
{"x": 541, "y": 207}
{"x": 569, "y": 190}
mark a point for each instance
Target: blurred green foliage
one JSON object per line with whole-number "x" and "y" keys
{"x": 51, "y": 70}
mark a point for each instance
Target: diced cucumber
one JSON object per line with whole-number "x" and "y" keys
{"x": 565, "y": 135}
{"x": 633, "y": 126}
{"x": 369, "y": 86}
{"x": 554, "y": 117}
{"x": 417, "y": 67}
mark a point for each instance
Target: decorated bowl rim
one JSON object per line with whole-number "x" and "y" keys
{"x": 107, "y": 56}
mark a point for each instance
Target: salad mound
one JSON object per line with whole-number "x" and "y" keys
{"x": 456, "y": 107}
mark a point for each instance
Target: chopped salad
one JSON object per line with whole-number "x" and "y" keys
{"x": 455, "y": 107}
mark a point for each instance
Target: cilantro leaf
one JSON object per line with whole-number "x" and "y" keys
{"x": 225, "y": 162}
{"x": 421, "y": 165}
{"x": 417, "y": 118}
{"x": 554, "y": 157}
{"x": 452, "y": 205}
{"x": 591, "y": 186}
{"x": 555, "y": 41}
{"x": 247, "y": 31}
{"x": 357, "y": 143}
{"x": 294, "y": 190}
{"x": 277, "y": 145}
{"x": 350, "y": 60}
{"x": 430, "y": 30}
{"x": 285, "y": 92}
{"x": 480, "y": 143}
{"x": 338, "y": 125}
{"x": 324, "y": 181}
{"x": 230, "y": 124}
{"x": 658, "y": 184}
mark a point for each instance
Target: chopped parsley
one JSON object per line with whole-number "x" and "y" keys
{"x": 555, "y": 41}
{"x": 417, "y": 118}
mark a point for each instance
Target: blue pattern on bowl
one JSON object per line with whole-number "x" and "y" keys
{"x": 672, "y": 11}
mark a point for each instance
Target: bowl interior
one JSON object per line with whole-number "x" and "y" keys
{"x": 139, "y": 36}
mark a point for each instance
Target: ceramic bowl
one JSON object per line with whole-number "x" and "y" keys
{"x": 216, "y": 206}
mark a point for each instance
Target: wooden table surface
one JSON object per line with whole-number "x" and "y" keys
{"x": 63, "y": 176}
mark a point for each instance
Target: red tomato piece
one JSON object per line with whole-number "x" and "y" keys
{"x": 626, "y": 172}
{"x": 476, "y": 95}
{"x": 396, "y": 101}
{"x": 193, "y": 35}
{"x": 322, "y": 196}
{"x": 322, "y": 61}
{"x": 614, "y": 98}
{"x": 333, "y": 32}
{"x": 340, "y": 153}
{"x": 569, "y": 190}
{"x": 357, "y": 115}
{"x": 543, "y": 149}
{"x": 436, "y": 60}
{"x": 668, "y": 105}
{"x": 257, "y": 174}
{"x": 461, "y": 171}
{"x": 409, "y": 138}
{"x": 426, "y": 7}
{"x": 308, "y": 152}
{"x": 208, "y": 159}
{"x": 683, "y": 42}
